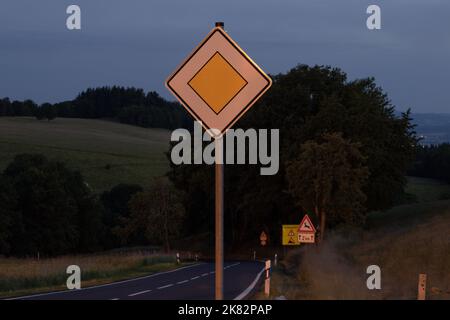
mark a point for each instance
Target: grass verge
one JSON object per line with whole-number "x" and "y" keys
{"x": 20, "y": 277}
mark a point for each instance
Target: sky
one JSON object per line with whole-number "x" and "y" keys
{"x": 140, "y": 42}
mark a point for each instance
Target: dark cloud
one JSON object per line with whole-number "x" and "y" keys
{"x": 138, "y": 43}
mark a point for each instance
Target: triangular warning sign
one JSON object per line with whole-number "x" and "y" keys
{"x": 306, "y": 225}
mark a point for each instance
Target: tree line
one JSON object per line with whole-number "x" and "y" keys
{"x": 126, "y": 105}
{"x": 48, "y": 209}
{"x": 432, "y": 162}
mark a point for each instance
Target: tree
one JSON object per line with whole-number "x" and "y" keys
{"x": 48, "y": 111}
{"x": 157, "y": 213}
{"x": 52, "y": 208}
{"x": 327, "y": 178}
{"x": 8, "y": 202}
{"x": 115, "y": 203}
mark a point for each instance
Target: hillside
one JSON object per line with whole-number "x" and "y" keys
{"x": 107, "y": 153}
{"x": 403, "y": 241}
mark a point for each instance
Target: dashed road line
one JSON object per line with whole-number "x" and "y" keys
{"x": 115, "y": 299}
{"x": 195, "y": 277}
{"x": 138, "y": 293}
{"x": 181, "y": 282}
{"x": 205, "y": 274}
{"x": 166, "y": 286}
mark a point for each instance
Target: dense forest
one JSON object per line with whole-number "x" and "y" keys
{"x": 127, "y": 105}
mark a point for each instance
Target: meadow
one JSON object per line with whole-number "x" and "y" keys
{"x": 107, "y": 153}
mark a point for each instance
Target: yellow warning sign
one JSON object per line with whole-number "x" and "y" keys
{"x": 290, "y": 235}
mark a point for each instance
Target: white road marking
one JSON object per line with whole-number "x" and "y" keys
{"x": 205, "y": 274}
{"x": 115, "y": 299}
{"x": 138, "y": 293}
{"x": 250, "y": 287}
{"x": 232, "y": 265}
{"x": 166, "y": 286}
{"x": 181, "y": 282}
{"x": 212, "y": 272}
{"x": 109, "y": 284}
{"x": 195, "y": 277}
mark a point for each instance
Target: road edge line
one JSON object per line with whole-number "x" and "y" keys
{"x": 246, "y": 292}
{"x": 103, "y": 285}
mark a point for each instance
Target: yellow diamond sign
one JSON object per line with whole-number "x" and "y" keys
{"x": 218, "y": 82}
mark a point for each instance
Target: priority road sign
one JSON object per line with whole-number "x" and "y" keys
{"x": 290, "y": 235}
{"x": 218, "y": 82}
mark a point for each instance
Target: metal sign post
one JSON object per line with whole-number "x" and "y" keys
{"x": 217, "y": 84}
{"x": 219, "y": 218}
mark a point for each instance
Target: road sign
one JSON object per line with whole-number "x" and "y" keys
{"x": 307, "y": 237}
{"x": 306, "y": 231}
{"x": 263, "y": 238}
{"x": 306, "y": 225}
{"x": 218, "y": 82}
{"x": 290, "y": 235}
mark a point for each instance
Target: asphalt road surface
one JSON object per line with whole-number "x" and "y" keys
{"x": 194, "y": 282}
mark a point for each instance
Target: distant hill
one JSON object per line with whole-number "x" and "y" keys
{"x": 107, "y": 153}
{"x": 434, "y": 128}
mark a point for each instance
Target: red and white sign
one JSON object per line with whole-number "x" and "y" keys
{"x": 307, "y": 237}
{"x": 306, "y": 231}
{"x": 306, "y": 225}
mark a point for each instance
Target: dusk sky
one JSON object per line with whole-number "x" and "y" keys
{"x": 140, "y": 42}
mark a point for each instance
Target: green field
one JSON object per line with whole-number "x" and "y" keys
{"x": 107, "y": 153}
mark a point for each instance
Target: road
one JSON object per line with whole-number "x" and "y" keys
{"x": 195, "y": 282}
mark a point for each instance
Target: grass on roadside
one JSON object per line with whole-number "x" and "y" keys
{"x": 28, "y": 276}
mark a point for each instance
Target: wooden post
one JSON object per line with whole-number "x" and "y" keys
{"x": 422, "y": 288}
{"x": 267, "y": 281}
